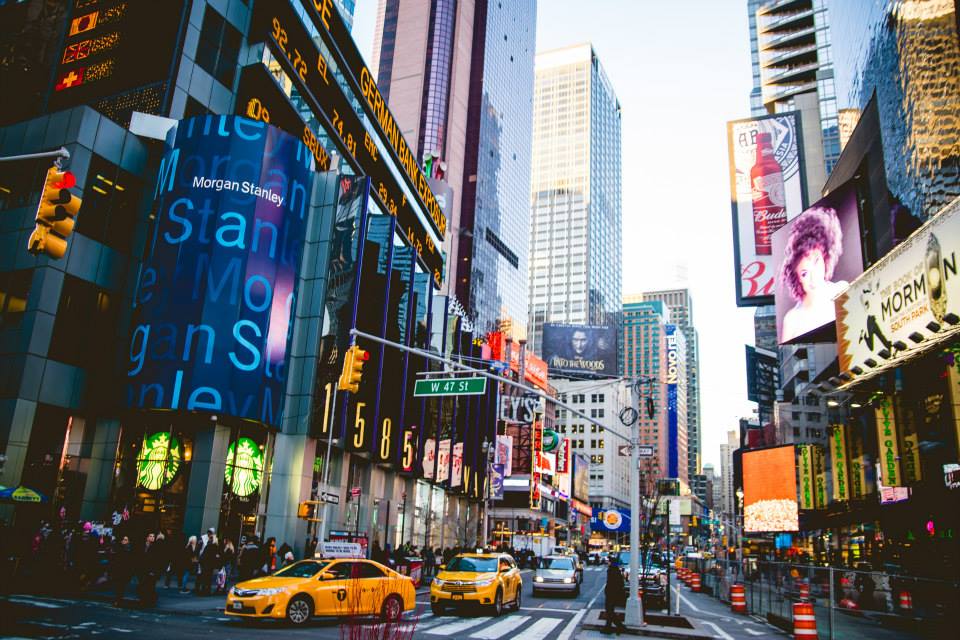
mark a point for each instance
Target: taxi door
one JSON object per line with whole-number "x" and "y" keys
{"x": 334, "y": 589}
{"x": 511, "y": 579}
{"x": 374, "y": 588}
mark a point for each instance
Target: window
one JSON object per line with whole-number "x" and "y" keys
{"x": 370, "y": 570}
{"x": 111, "y": 200}
{"x": 600, "y": 412}
{"x": 600, "y": 444}
{"x": 218, "y": 48}
{"x": 14, "y": 287}
{"x": 86, "y": 325}
{"x": 600, "y": 458}
{"x": 593, "y": 444}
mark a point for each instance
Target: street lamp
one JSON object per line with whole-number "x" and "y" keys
{"x": 743, "y": 573}
{"x": 488, "y": 451}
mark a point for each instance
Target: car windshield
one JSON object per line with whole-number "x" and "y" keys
{"x": 557, "y": 563}
{"x": 302, "y": 569}
{"x": 479, "y": 565}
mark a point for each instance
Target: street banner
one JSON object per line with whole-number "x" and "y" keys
{"x": 496, "y": 480}
{"x": 906, "y": 302}
{"x": 888, "y": 463}
{"x": 443, "y": 461}
{"x": 563, "y": 456}
{"x": 457, "y": 473}
{"x": 805, "y": 476}
{"x": 820, "y": 477}
{"x": 953, "y": 375}
{"x": 504, "y": 454}
{"x": 610, "y": 520}
{"x": 429, "y": 458}
{"x": 767, "y": 190}
{"x": 838, "y": 459}
{"x": 858, "y": 463}
{"x": 909, "y": 439}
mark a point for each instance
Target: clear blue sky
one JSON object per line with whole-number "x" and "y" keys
{"x": 681, "y": 70}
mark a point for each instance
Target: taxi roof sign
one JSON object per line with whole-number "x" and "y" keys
{"x": 339, "y": 550}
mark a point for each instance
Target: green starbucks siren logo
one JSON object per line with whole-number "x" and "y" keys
{"x": 159, "y": 461}
{"x": 244, "y": 471}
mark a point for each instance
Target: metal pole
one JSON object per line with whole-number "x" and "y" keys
{"x": 486, "y": 496}
{"x": 59, "y": 153}
{"x": 833, "y": 620}
{"x": 326, "y": 463}
{"x": 634, "y": 610}
{"x": 668, "y": 563}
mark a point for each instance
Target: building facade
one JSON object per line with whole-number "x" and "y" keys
{"x": 680, "y": 304}
{"x": 575, "y": 219}
{"x": 459, "y": 76}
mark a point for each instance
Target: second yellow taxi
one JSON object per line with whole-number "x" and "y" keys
{"x": 489, "y": 579}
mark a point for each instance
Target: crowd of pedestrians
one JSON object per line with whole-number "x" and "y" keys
{"x": 87, "y": 558}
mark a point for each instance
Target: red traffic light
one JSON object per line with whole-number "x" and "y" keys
{"x": 68, "y": 181}
{"x": 362, "y": 355}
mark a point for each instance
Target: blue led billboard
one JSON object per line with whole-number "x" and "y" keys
{"x": 214, "y": 306}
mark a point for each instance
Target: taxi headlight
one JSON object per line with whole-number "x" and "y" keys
{"x": 568, "y": 581}
{"x": 272, "y": 591}
{"x": 485, "y": 583}
{"x": 538, "y": 579}
{"x": 439, "y": 582}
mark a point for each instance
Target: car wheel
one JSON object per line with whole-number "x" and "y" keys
{"x": 436, "y": 608}
{"x": 392, "y": 609}
{"x": 519, "y": 599}
{"x": 498, "y": 603}
{"x": 299, "y": 610}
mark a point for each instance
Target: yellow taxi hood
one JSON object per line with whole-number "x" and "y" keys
{"x": 267, "y": 582}
{"x": 467, "y": 576}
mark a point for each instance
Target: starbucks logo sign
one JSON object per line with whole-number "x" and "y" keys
{"x": 159, "y": 461}
{"x": 244, "y": 470}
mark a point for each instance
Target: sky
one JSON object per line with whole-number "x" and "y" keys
{"x": 681, "y": 70}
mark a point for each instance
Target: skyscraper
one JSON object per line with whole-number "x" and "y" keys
{"x": 681, "y": 313}
{"x": 575, "y": 244}
{"x": 458, "y": 75}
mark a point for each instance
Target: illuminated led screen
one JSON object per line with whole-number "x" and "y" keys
{"x": 770, "y": 490}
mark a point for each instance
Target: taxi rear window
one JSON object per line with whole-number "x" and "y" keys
{"x": 302, "y": 569}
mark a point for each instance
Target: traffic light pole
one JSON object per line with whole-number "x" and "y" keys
{"x": 326, "y": 469}
{"x": 60, "y": 153}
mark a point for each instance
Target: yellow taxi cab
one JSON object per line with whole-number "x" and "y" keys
{"x": 337, "y": 587}
{"x": 490, "y": 579}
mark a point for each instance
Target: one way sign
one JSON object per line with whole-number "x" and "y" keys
{"x": 646, "y": 451}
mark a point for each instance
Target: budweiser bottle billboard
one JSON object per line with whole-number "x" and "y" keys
{"x": 769, "y": 199}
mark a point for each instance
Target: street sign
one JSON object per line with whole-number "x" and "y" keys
{"x": 333, "y": 498}
{"x": 450, "y": 387}
{"x": 646, "y": 451}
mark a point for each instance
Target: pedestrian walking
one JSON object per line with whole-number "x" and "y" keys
{"x": 228, "y": 557}
{"x": 121, "y": 568}
{"x": 614, "y": 595}
{"x": 209, "y": 564}
{"x": 148, "y": 569}
{"x": 189, "y": 563}
{"x": 248, "y": 559}
{"x": 270, "y": 559}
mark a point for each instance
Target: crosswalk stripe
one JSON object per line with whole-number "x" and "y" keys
{"x": 539, "y": 629}
{"x": 454, "y": 628}
{"x": 506, "y": 625}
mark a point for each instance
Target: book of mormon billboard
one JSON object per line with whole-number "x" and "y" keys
{"x": 214, "y": 305}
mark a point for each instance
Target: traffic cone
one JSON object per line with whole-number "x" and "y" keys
{"x": 695, "y": 582}
{"x": 906, "y": 602}
{"x": 804, "y": 591}
{"x": 804, "y": 621}
{"x": 738, "y": 598}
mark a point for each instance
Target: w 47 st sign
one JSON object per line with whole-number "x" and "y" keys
{"x": 451, "y": 387}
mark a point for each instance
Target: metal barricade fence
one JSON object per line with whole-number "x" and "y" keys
{"x": 883, "y": 605}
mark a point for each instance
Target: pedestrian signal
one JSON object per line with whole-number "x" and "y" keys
{"x": 55, "y": 215}
{"x": 352, "y": 373}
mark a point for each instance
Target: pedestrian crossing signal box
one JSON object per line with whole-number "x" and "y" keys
{"x": 309, "y": 510}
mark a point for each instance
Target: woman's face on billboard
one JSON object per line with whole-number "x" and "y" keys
{"x": 811, "y": 271}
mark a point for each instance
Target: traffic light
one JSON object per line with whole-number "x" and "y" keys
{"x": 353, "y": 362}
{"x": 55, "y": 214}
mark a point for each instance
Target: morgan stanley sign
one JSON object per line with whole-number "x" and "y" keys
{"x": 213, "y": 315}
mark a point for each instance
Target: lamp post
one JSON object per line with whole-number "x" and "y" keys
{"x": 487, "y": 451}
{"x": 743, "y": 574}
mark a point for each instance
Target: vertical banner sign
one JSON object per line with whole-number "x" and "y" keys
{"x": 953, "y": 375}
{"x": 563, "y": 456}
{"x": 457, "y": 473}
{"x": 214, "y": 303}
{"x": 819, "y": 477}
{"x": 889, "y": 456}
{"x": 429, "y": 458}
{"x": 910, "y": 458}
{"x": 496, "y": 478}
{"x": 536, "y": 447}
{"x": 838, "y": 459}
{"x": 443, "y": 460}
{"x": 805, "y": 472}
{"x": 673, "y": 419}
{"x": 857, "y": 457}
{"x": 767, "y": 189}
{"x": 504, "y": 454}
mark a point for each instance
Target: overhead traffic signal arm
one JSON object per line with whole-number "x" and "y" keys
{"x": 353, "y": 361}
{"x": 55, "y": 215}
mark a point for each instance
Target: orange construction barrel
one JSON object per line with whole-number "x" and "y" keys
{"x": 804, "y": 621}
{"x": 804, "y": 591}
{"x": 906, "y": 602}
{"x": 695, "y": 582}
{"x": 738, "y": 598}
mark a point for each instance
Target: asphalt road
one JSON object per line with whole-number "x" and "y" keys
{"x": 540, "y": 618}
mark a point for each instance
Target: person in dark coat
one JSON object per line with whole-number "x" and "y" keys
{"x": 614, "y": 595}
{"x": 121, "y": 568}
{"x": 209, "y": 564}
{"x": 149, "y": 569}
{"x": 248, "y": 559}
